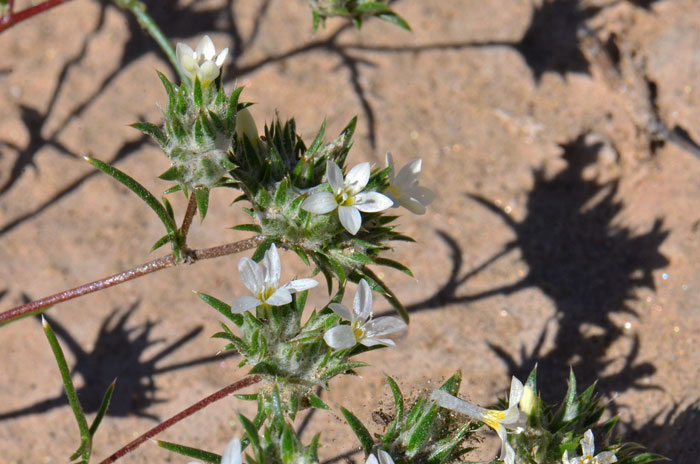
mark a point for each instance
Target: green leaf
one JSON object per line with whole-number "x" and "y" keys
{"x": 197, "y": 93}
{"x": 452, "y": 384}
{"x": 376, "y": 283}
{"x": 173, "y": 173}
{"x": 152, "y": 130}
{"x": 170, "y": 91}
{"x": 190, "y": 452}
{"x": 85, "y": 435}
{"x": 391, "y": 432}
{"x": 421, "y": 431}
{"x": 360, "y": 430}
{"x": 371, "y": 8}
{"x": 173, "y": 189}
{"x": 317, "y": 402}
{"x": 168, "y": 208}
{"x": 247, "y": 396}
{"x": 160, "y": 242}
{"x": 202, "y": 197}
{"x": 262, "y": 248}
{"x": 232, "y": 109}
{"x": 251, "y": 431}
{"x": 339, "y": 369}
{"x": 287, "y": 445}
{"x": 395, "y": 19}
{"x": 106, "y": 398}
{"x": 394, "y": 264}
{"x": 248, "y": 228}
{"x": 142, "y": 193}
{"x": 222, "y": 307}
{"x": 301, "y": 253}
{"x": 316, "y": 144}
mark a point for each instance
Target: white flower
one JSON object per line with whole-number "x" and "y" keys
{"x": 588, "y": 448}
{"x": 384, "y": 458}
{"x": 347, "y": 196}
{"x": 232, "y": 453}
{"x": 511, "y": 418}
{"x": 202, "y": 62}
{"x": 245, "y": 125}
{"x": 263, "y": 281}
{"x": 404, "y": 189}
{"x": 362, "y": 329}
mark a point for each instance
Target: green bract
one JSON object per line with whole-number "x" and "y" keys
{"x": 357, "y": 10}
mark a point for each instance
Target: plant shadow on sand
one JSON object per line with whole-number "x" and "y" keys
{"x": 118, "y": 353}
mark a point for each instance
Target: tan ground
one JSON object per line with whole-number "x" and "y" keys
{"x": 537, "y": 149}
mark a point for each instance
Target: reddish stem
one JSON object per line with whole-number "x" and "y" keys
{"x": 189, "y": 214}
{"x": 138, "y": 271}
{"x": 14, "y": 18}
{"x": 181, "y": 415}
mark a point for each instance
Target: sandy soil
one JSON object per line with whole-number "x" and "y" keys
{"x": 565, "y": 233}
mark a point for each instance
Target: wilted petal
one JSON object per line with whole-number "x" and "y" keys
{"x": 273, "y": 268}
{"x": 320, "y": 203}
{"x": 383, "y": 326}
{"x": 281, "y": 297}
{"x": 357, "y": 178}
{"x": 334, "y": 176}
{"x": 205, "y": 49}
{"x": 350, "y": 218}
{"x": 232, "y": 454}
{"x": 362, "y": 304}
{"x": 341, "y": 311}
{"x": 251, "y": 275}
{"x": 372, "y": 202}
{"x": 244, "y": 303}
{"x": 300, "y": 285}
{"x": 340, "y": 337}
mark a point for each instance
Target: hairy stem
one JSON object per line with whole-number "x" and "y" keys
{"x": 11, "y": 19}
{"x": 39, "y": 306}
{"x": 250, "y": 380}
{"x": 139, "y": 10}
{"x": 187, "y": 220}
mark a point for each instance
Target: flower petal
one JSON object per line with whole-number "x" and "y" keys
{"x": 587, "y": 443}
{"x": 340, "y": 337}
{"x": 371, "y": 459}
{"x": 320, "y": 203}
{"x": 205, "y": 49}
{"x": 273, "y": 268}
{"x": 357, "y": 178}
{"x": 413, "y": 206}
{"x": 334, "y": 176}
{"x": 447, "y": 401}
{"x": 221, "y": 57}
{"x": 350, "y": 218}
{"x": 383, "y": 326}
{"x": 281, "y": 297}
{"x": 422, "y": 194}
{"x": 408, "y": 175}
{"x": 362, "y": 304}
{"x": 385, "y": 458}
{"x": 606, "y": 457}
{"x": 372, "y": 202}
{"x": 341, "y": 310}
{"x": 509, "y": 457}
{"x": 516, "y": 394}
{"x": 232, "y": 453}
{"x": 251, "y": 275}
{"x": 368, "y": 341}
{"x": 189, "y": 66}
{"x": 244, "y": 303}
{"x": 182, "y": 50}
{"x": 300, "y": 285}
{"x": 208, "y": 72}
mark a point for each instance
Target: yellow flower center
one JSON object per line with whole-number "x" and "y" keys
{"x": 344, "y": 199}
{"x": 265, "y": 293}
{"x": 357, "y": 330}
{"x": 493, "y": 418}
{"x": 394, "y": 191}
{"x": 588, "y": 459}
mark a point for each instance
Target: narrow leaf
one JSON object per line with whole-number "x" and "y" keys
{"x": 360, "y": 430}
{"x": 202, "y": 197}
{"x": 106, "y": 398}
{"x": 190, "y": 452}
{"x": 222, "y": 307}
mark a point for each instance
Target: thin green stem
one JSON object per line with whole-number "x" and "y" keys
{"x": 85, "y": 436}
{"x": 41, "y": 305}
{"x": 139, "y": 10}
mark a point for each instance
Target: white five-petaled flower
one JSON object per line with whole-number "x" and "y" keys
{"x": 202, "y": 62}
{"x": 362, "y": 329}
{"x": 404, "y": 189}
{"x": 384, "y": 458}
{"x": 232, "y": 454}
{"x": 347, "y": 196}
{"x": 263, "y": 281}
{"x": 511, "y": 418}
{"x": 588, "y": 448}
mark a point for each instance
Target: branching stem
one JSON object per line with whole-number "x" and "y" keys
{"x": 41, "y": 305}
{"x": 247, "y": 381}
